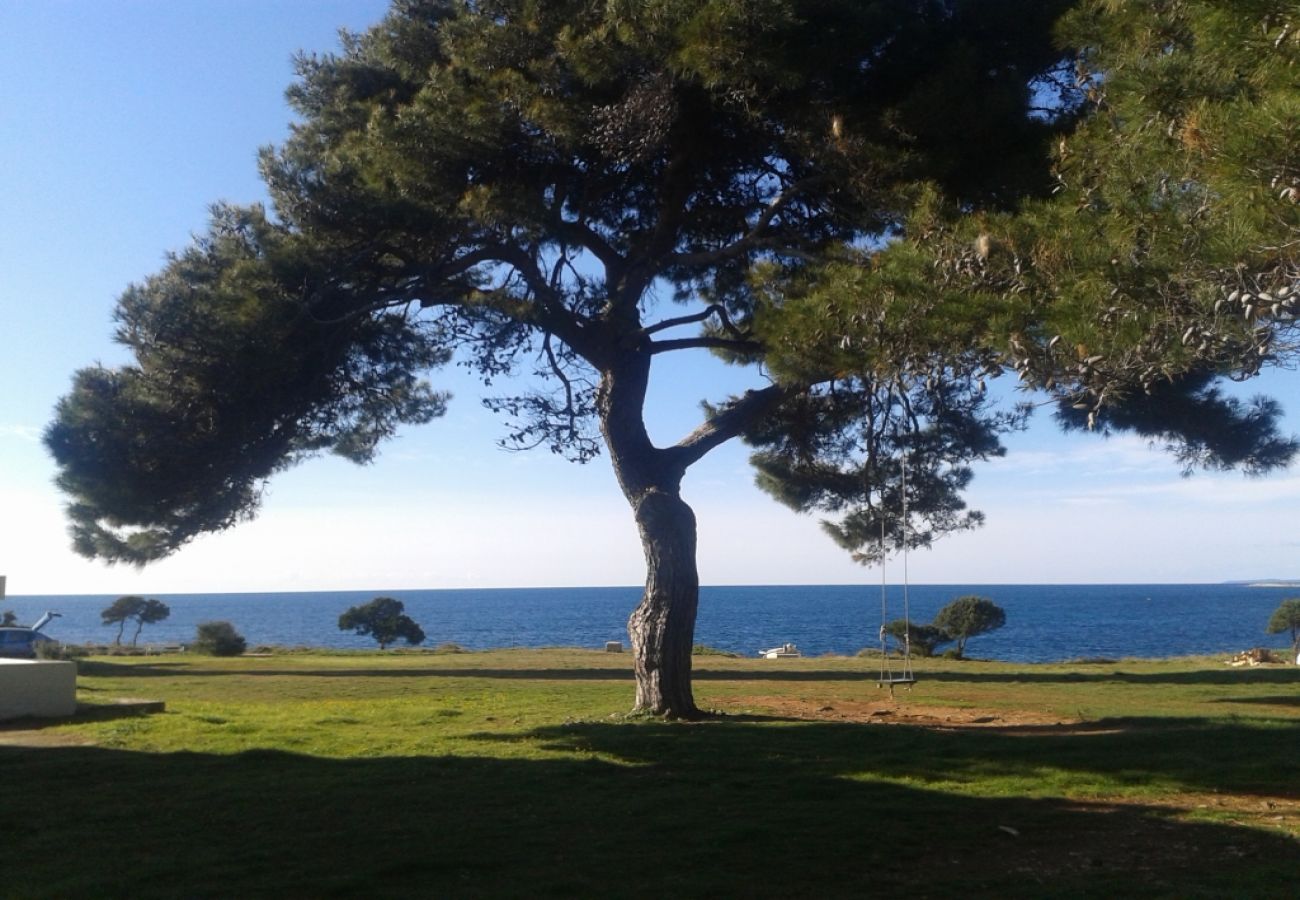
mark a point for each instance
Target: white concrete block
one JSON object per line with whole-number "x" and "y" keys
{"x": 45, "y": 688}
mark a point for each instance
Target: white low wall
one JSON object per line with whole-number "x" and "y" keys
{"x": 37, "y": 688}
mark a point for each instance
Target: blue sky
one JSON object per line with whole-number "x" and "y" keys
{"x": 121, "y": 122}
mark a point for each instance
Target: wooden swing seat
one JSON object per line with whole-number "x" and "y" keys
{"x": 896, "y": 679}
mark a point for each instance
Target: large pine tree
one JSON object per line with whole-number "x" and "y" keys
{"x": 603, "y": 185}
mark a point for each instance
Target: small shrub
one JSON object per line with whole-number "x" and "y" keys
{"x": 48, "y": 650}
{"x": 123, "y": 650}
{"x": 706, "y": 650}
{"x": 922, "y": 638}
{"x": 218, "y": 639}
{"x": 449, "y": 647}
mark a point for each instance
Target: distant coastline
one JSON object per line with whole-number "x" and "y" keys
{"x": 1273, "y": 584}
{"x": 1045, "y": 623}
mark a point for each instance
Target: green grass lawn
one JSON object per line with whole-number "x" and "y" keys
{"x": 516, "y": 774}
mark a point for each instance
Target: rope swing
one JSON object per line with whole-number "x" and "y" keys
{"x": 889, "y": 677}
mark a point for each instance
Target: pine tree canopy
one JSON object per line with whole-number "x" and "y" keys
{"x": 1163, "y": 260}
{"x": 883, "y": 204}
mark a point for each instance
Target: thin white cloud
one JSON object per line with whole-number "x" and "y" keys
{"x": 1200, "y": 491}
{"x": 1087, "y": 456}
{"x": 22, "y": 432}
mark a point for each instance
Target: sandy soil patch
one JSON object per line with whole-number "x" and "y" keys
{"x": 898, "y": 711}
{"x": 41, "y": 737}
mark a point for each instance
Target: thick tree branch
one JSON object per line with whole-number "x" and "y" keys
{"x": 706, "y": 342}
{"x": 732, "y": 421}
{"x": 713, "y": 309}
{"x": 591, "y": 240}
{"x": 680, "y": 320}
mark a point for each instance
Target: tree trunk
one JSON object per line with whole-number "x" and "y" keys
{"x": 662, "y": 627}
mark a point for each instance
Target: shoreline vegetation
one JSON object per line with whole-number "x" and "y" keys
{"x": 1045, "y": 623}
{"x": 1274, "y": 655}
{"x": 411, "y": 772}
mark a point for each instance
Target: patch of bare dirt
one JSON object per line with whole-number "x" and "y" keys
{"x": 41, "y": 737}
{"x": 897, "y": 711}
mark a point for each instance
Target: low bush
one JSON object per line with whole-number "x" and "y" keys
{"x": 706, "y": 650}
{"x": 218, "y": 639}
{"x": 53, "y": 650}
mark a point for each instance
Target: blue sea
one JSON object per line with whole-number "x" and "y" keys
{"x": 1045, "y": 623}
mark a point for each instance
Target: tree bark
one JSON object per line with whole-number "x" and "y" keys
{"x": 662, "y": 627}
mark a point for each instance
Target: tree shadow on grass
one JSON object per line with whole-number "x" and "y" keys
{"x": 181, "y": 670}
{"x": 648, "y": 810}
{"x": 1026, "y": 675}
{"x": 1188, "y": 754}
{"x": 86, "y": 712}
{"x": 577, "y": 673}
{"x": 1276, "y": 700}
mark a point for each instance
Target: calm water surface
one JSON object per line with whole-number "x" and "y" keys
{"x": 1044, "y": 622}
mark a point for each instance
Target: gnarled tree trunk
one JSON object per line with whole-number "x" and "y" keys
{"x": 662, "y": 627}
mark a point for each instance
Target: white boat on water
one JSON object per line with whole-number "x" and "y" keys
{"x": 784, "y": 651}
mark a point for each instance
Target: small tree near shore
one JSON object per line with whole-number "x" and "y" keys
{"x": 8, "y": 617}
{"x": 384, "y": 619}
{"x": 143, "y": 612}
{"x": 1287, "y": 618}
{"x": 968, "y": 616}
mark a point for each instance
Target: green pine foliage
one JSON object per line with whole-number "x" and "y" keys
{"x": 1161, "y": 260}
{"x": 384, "y": 619}
{"x": 969, "y": 616}
{"x": 1286, "y": 619}
{"x": 919, "y": 637}
{"x": 234, "y": 380}
{"x": 1165, "y": 259}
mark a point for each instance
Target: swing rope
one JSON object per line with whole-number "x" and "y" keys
{"x": 887, "y": 676}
